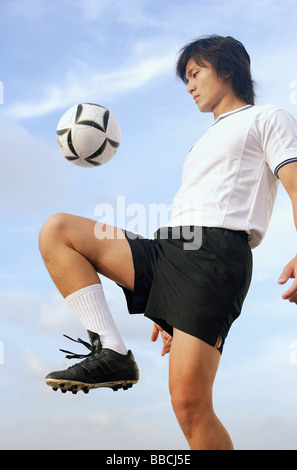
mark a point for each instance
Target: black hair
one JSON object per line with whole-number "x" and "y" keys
{"x": 229, "y": 59}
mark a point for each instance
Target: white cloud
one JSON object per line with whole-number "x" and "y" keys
{"x": 27, "y": 165}
{"x": 33, "y": 363}
{"x": 92, "y": 85}
{"x": 54, "y": 313}
{"x": 36, "y": 180}
{"x": 134, "y": 13}
{"x": 50, "y": 312}
{"x": 17, "y": 305}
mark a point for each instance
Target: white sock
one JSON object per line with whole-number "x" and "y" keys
{"x": 91, "y": 307}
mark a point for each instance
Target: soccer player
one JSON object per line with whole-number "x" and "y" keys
{"x": 192, "y": 279}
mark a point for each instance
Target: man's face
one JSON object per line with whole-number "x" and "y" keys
{"x": 209, "y": 91}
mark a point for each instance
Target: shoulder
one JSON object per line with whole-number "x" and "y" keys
{"x": 266, "y": 110}
{"x": 272, "y": 115}
{"x": 269, "y": 110}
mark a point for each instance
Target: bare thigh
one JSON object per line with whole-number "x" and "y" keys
{"x": 74, "y": 239}
{"x": 193, "y": 366}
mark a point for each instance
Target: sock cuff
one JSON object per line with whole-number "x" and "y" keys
{"x": 85, "y": 290}
{"x": 90, "y": 305}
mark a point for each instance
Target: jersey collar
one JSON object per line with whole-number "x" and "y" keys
{"x": 223, "y": 116}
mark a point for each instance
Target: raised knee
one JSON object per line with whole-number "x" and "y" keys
{"x": 52, "y": 231}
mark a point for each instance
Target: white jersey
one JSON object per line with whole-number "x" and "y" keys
{"x": 230, "y": 178}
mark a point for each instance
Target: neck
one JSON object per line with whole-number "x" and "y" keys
{"x": 227, "y": 106}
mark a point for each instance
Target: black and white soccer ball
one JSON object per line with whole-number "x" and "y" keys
{"x": 88, "y": 134}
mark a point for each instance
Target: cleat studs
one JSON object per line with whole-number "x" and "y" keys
{"x": 127, "y": 386}
{"x": 81, "y": 387}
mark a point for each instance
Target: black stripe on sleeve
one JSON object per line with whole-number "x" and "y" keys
{"x": 285, "y": 162}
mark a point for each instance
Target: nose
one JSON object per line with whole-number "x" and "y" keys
{"x": 191, "y": 86}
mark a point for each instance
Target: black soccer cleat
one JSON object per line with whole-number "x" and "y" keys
{"x": 100, "y": 368}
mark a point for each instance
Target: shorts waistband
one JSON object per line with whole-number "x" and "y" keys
{"x": 189, "y": 231}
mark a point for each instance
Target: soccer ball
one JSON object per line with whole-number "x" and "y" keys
{"x": 88, "y": 134}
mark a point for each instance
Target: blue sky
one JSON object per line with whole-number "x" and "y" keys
{"x": 121, "y": 54}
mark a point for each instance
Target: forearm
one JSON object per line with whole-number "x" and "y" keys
{"x": 288, "y": 176}
{"x": 294, "y": 207}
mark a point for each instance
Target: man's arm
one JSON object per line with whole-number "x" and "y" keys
{"x": 288, "y": 176}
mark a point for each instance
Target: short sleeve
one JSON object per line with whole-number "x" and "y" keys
{"x": 279, "y": 140}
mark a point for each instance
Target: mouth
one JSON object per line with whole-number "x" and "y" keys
{"x": 196, "y": 98}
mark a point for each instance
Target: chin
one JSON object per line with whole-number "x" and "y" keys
{"x": 203, "y": 109}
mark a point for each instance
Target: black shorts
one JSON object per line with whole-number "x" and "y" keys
{"x": 196, "y": 286}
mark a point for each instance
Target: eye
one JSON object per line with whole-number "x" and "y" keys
{"x": 195, "y": 74}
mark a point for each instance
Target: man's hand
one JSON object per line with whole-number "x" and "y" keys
{"x": 167, "y": 339}
{"x": 290, "y": 272}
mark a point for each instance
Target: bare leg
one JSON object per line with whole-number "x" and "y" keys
{"x": 73, "y": 254}
{"x": 192, "y": 368}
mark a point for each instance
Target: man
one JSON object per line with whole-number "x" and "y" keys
{"x": 192, "y": 288}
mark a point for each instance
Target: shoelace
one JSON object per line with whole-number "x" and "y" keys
{"x": 71, "y": 355}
